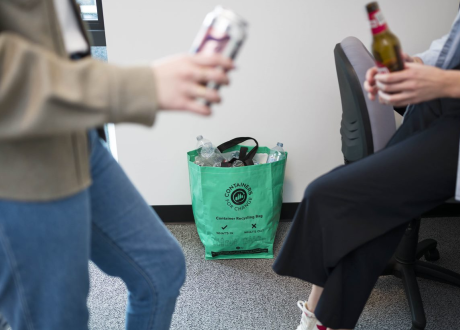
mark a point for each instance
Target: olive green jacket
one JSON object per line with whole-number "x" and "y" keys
{"x": 48, "y": 103}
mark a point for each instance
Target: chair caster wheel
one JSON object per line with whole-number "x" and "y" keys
{"x": 432, "y": 255}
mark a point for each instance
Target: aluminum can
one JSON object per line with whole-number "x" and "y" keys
{"x": 223, "y": 32}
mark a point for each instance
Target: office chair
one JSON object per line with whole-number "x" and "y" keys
{"x": 366, "y": 128}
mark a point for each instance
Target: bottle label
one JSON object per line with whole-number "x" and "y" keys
{"x": 381, "y": 68}
{"x": 378, "y": 22}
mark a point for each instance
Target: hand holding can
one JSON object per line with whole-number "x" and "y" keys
{"x": 181, "y": 80}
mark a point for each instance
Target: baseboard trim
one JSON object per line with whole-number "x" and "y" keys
{"x": 446, "y": 210}
{"x": 184, "y": 213}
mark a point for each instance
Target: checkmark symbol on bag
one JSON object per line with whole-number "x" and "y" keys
{"x": 223, "y": 228}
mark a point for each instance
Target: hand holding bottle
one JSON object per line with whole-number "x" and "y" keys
{"x": 370, "y": 84}
{"x": 416, "y": 84}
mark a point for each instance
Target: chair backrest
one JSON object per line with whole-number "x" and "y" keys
{"x": 366, "y": 126}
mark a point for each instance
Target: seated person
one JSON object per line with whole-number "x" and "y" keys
{"x": 352, "y": 219}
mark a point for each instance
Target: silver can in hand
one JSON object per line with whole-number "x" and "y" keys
{"x": 222, "y": 32}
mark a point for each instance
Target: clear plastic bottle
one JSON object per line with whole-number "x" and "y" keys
{"x": 235, "y": 154}
{"x": 208, "y": 152}
{"x": 204, "y": 146}
{"x": 200, "y": 161}
{"x": 276, "y": 153}
{"x": 238, "y": 163}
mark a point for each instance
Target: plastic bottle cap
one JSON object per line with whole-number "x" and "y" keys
{"x": 199, "y": 137}
{"x": 280, "y": 144}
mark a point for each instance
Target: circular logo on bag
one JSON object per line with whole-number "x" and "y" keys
{"x": 239, "y": 196}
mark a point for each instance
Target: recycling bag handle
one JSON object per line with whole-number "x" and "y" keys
{"x": 249, "y": 156}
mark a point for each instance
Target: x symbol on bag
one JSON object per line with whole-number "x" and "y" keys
{"x": 254, "y": 225}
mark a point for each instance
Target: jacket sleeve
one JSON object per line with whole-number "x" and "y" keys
{"x": 44, "y": 94}
{"x": 430, "y": 56}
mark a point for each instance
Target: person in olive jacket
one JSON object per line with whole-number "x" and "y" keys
{"x": 63, "y": 199}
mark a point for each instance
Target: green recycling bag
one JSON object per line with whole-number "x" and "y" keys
{"x": 237, "y": 209}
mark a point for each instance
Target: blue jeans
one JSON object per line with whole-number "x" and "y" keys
{"x": 45, "y": 249}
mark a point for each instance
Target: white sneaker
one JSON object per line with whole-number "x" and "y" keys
{"x": 308, "y": 320}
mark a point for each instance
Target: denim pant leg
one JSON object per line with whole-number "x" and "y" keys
{"x": 131, "y": 242}
{"x": 44, "y": 252}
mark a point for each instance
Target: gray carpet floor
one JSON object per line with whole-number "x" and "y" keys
{"x": 246, "y": 294}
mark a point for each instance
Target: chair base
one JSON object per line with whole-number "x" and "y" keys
{"x": 406, "y": 266}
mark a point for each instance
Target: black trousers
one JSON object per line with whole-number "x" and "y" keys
{"x": 352, "y": 219}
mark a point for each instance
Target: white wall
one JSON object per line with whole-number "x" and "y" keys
{"x": 285, "y": 88}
